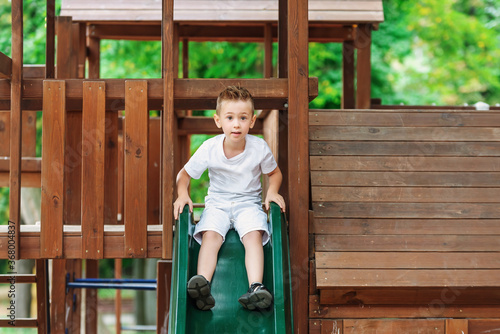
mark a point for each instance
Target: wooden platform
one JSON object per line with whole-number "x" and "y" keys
{"x": 221, "y": 10}
{"x": 406, "y": 219}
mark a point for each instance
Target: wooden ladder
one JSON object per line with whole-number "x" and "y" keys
{"x": 41, "y": 321}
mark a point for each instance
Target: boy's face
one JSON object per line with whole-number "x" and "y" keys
{"x": 236, "y": 118}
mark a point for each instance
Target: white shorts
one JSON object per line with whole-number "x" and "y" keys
{"x": 243, "y": 217}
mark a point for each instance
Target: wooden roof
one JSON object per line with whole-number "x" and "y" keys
{"x": 337, "y": 11}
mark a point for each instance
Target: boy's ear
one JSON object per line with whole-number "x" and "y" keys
{"x": 217, "y": 120}
{"x": 254, "y": 118}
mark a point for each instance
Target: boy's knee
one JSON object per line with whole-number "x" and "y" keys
{"x": 212, "y": 237}
{"x": 253, "y": 237}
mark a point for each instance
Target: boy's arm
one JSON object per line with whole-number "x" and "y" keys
{"x": 183, "y": 198}
{"x": 275, "y": 178}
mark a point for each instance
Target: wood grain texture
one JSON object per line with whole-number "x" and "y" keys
{"x": 93, "y": 163}
{"x": 136, "y": 135}
{"x": 53, "y": 166}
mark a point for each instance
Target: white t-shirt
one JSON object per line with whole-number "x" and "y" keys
{"x": 236, "y": 179}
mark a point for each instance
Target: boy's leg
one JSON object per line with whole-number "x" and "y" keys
{"x": 207, "y": 258}
{"x": 254, "y": 256}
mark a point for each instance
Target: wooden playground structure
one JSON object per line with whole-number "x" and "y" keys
{"x": 393, "y": 212}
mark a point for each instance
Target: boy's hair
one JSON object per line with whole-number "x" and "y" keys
{"x": 234, "y": 93}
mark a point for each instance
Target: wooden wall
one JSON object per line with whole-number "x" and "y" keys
{"x": 406, "y": 221}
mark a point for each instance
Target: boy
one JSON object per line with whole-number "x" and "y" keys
{"x": 235, "y": 162}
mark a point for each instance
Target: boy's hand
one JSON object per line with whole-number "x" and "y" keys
{"x": 276, "y": 198}
{"x": 179, "y": 204}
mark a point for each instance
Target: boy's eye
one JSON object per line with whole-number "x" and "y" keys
{"x": 243, "y": 118}
{"x": 229, "y": 117}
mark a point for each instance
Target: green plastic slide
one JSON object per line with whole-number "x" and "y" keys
{"x": 230, "y": 282}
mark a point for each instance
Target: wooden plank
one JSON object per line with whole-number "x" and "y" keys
{"x": 404, "y": 118}
{"x": 370, "y": 226}
{"x": 298, "y": 155}
{"x": 53, "y": 166}
{"x": 28, "y": 180}
{"x": 363, "y": 326}
{"x": 136, "y": 168}
{"x": 118, "y": 297}
{"x": 42, "y": 298}
{"x": 363, "y": 65}
{"x": 65, "y": 64}
{"x": 410, "y": 296}
{"x": 168, "y": 127}
{"x": 408, "y": 243}
{"x": 405, "y": 179}
{"x": 58, "y": 307}
{"x": 28, "y": 145}
{"x": 5, "y": 134}
{"x": 348, "y": 72}
{"x": 273, "y": 90}
{"x": 332, "y": 326}
{"x": 333, "y": 278}
{"x": 406, "y": 194}
{"x": 406, "y": 210}
{"x": 91, "y": 308}
{"x": 93, "y": 163}
{"x": 76, "y": 139}
{"x": 406, "y": 164}
{"x": 94, "y": 57}
{"x": 154, "y": 163}
{"x": 82, "y": 49}
{"x": 403, "y": 133}
{"x": 438, "y": 309}
{"x": 407, "y": 260}
{"x": 450, "y": 149}
{"x": 5, "y": 66}
{"x": 113, "y": 245}
{"x": 19, "y": 323}
{"x": 314, "y": 327}
{"x": 111, "y": 168}
{"x": 484, "y": 326}
{"x": 23, "y": 278}
{"x": 16, "y": 127}
{"x": 164, "y": 278}
{"x": 457, "y": 326}
{"x": 50, "y": 40}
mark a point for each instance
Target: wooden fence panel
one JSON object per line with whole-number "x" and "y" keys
{"x": 136, "y": 168}
{"x": 53, "y": 165}
{"x": 93, "y": 150}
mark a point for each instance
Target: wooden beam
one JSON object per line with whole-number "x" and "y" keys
{"x": 188, "y": 93}
{"x": 5, "y": 66}
{"x": 16, "y": 125}
{"x": 53, "y": 166}
{"x": 164, "y": 278}
{"x": 33, "y": 71}
{"x": 268, "y": 51}
{"x": 93, "y": 161}
{"x": 169, "y": 124}
{"x": 50, "y": 40}
{"x": 64, "y": 54}
{"x": 136, "y": 168}
{"x": 348, "y": 91}
{"x": 363, "y": 67}
{"x": 298, "y": 157}
{"x": 42, "y": 297}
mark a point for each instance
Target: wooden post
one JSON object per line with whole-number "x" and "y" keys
{"x": 169, "y": 130}
{"x": 298, "y": 157}
{"x": 58, "y": 305}
{"x": 16, "y": 127}
{"x": 50, "y": 39}
{"x": 348, "y": 100}
{"x": 283, "y": 113}
{"x": 118, "y": 299}
{"x": 268, "y": 50}
{"x": 164, "y": 278}
{"x": 92, "y": 266}
{"x": 93, "y": 155}
{"x": 53, "y": 166}
{"x": 136, "y": 167}
{"x": 42, "y": 300}
{"x": 363, "y": 45}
